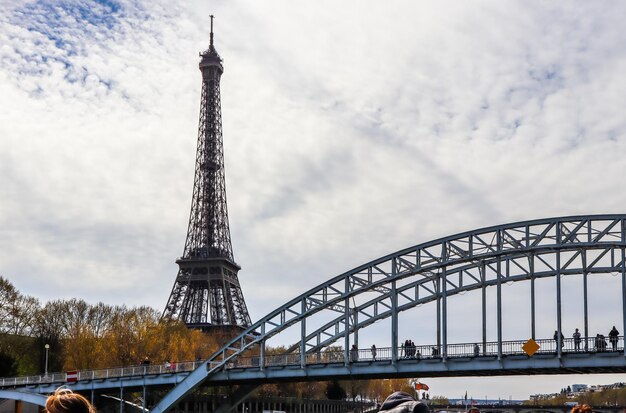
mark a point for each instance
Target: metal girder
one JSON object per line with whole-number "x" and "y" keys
{"x": 25, "y": 396}
{"x": 471, "y": 260}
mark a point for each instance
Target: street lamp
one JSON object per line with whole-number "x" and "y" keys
{"x": 47, "y": 347}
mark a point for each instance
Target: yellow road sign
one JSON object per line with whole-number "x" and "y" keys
{"x": 530, "y": 347}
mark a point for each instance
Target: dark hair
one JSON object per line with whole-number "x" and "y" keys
{"x": 66, "y": 401}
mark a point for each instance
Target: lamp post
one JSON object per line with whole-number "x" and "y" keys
{"x": 47, "y": 347}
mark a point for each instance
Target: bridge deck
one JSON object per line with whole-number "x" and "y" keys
{"x": 466, "y": 359}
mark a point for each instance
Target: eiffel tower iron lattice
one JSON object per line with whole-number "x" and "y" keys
{"x": 206, "y": 293}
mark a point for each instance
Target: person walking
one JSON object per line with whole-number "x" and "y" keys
{"x": 476, "y": 350}
{"x": 373, "y": 349}
{"x": 576, "y": 337}
{"x": 614, "y": 337}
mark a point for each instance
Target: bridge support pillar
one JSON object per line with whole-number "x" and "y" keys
{"x": 394, "y": 323}
{"x": 585, "y": 308}
{"x": 499, "y": 300}
{"x": 484, "y": 305}
{"x": 531, "y": 267}
{"x": 262, "y": 349}
{"x": 559, "y": 327}
{"x": 356, "y": 330}
{"x": 439, "y": 314}
{"x": 624, "y": 291}
{"x": 444, "y": 317}
{"x": 303, "y": 336}
{"x": 233, "y": 401}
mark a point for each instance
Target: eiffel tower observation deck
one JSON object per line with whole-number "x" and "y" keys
{"x": 206, "y": 293}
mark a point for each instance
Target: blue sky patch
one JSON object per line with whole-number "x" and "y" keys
{"x": 59, "y": 21}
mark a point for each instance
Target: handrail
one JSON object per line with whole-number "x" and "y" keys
{"x": 106, "y": 373}
{"x": 417, "y": 352}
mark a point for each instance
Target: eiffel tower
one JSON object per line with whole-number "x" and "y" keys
{"x": 206, "y": 294}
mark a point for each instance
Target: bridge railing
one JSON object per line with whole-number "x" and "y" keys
{"x": 425, "y": 352}
{"x": 101, "y": 374}
{"x": 330, "y": 356}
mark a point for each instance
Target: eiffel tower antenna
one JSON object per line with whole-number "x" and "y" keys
{"x": 206, "y": 293}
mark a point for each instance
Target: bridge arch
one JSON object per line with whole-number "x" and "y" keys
{"x": 434, "y": 271}
{"x": 28, "y": 397}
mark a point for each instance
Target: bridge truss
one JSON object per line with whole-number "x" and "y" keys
{"x": 432, "y": 272}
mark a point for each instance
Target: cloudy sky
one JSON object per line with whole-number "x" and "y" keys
{"x": 351, "y": 131}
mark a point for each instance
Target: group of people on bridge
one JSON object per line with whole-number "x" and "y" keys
{"x": 599, "y": 340}
{"x": 409, "y": 349}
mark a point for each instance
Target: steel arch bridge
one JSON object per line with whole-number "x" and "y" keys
{"x": 432, "y": 272}
{"x": 334, "y": 312}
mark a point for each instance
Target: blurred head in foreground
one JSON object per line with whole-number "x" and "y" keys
{"x": 66, "y": 401}
{"x": 401, "y": 402}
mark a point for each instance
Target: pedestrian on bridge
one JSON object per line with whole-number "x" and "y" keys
{"x": 354, "y": 353}
{"x": 614, "y": 337}
{"x": 66, "y": 401}
{"x": 556, "y": 338}
{"x": 373, "y": 349}
{"x": 576, "y": 337}
{"x": 600, "y": 344}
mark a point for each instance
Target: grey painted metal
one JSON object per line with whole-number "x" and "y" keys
{"x": 499, "y": 303}
{"x": 444, "y": 314}
{"x": 484, "y": 304}
{"x": 585, "y": 306}
{"x": 531, "y": 266}
{"x": 422, "y": 361}
{"x": 624, "y": 291}
{"x": 206, "y": 292}
{"x": 403, "y": 280}
{"x": 302, "y": 334}
{"x": 418, "y": 270}
{"x": 346, "y": 333}
{"x": 136, "y": 377}
{"x": 394, "y": 323}
{"x": 24, "y": 396}
{"x": 438, "y": 298}
{"x": 262, "y": 348}
{"x": 240, "y": 395}
{"x": 519, "y": 364}
{"x": 559, "y": 330}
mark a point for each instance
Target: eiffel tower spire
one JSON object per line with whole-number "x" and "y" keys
{"x": 206, "y": 292}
